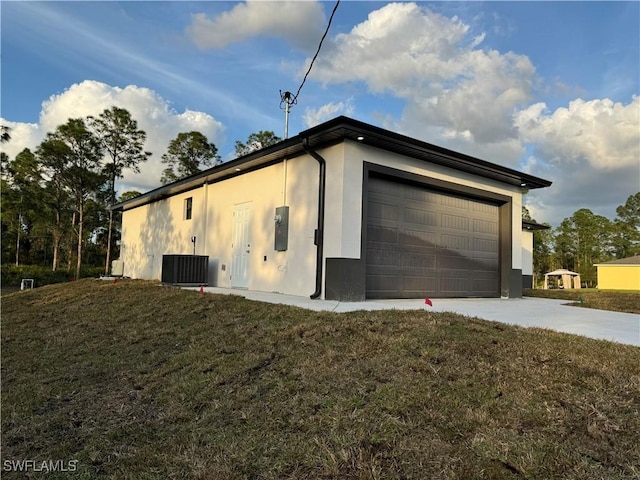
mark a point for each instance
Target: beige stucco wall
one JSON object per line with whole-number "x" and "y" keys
{"x": 160, "y": 228}
{"x": 527, "y": 252}
{"x": 152, "y": 230}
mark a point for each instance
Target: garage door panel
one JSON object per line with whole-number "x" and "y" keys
{"x": 455, "y": 262}
{"x": 455, "y": 222}
{"x": 383, "y": 212}
{"x": 485, "y": 226}
{"x": 418, "y": 238}
{"x": 454, "y": 286}
{"x": 421, "y": 196}
{"x": 381, "y": 234}
{"x": 386, "y": 285}
{"x": 419, "y": 262}
{"x": 486, "y": 274}
{"x": 455, "y": 202}
{"x": 420, "y": 218}
{"x": 383, "y": 257}
{"x": 481, "y": 207}
{"x": 427, "y": 243}
{"x": 455, "y": 242}
{"x": 418, "y": 285}
{"x": 486, "y": 246}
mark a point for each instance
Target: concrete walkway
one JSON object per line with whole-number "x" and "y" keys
{"x": 526, "y": 312}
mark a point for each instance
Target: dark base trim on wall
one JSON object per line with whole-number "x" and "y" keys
{"x": 527, "y": 281}
{"x": 344, "y": 280}
{"x": 515, "y": 284}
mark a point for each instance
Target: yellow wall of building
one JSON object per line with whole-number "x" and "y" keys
{"x": 618, "y": 277}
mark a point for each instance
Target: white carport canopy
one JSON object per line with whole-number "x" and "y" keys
{"x": 566, "y": 276}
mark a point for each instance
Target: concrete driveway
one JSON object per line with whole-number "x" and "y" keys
{"x": 526, "y": 312}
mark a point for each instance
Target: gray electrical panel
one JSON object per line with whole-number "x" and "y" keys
{"x": 281, "y": 221}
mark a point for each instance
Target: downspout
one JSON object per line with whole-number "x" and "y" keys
{"x": 319, "y": 233}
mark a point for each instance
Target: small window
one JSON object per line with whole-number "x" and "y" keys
{"x": 188, "y": 207}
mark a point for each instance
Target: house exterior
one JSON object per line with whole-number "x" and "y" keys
{"x": 621, "y": 274}
{"x": 344, "y": 210}
{"x": 528, "y": 227}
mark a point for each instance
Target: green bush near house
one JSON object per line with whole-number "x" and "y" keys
{"x": 12, "y": 275}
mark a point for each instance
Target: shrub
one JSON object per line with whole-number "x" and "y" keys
{"x": 12, "y": 275}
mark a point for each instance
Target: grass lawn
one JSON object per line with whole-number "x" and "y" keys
{"x": 137, "y": 381}
{"x": 612, "y": 300}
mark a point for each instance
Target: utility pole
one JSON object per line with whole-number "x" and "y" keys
{"x": 287, "y": 100}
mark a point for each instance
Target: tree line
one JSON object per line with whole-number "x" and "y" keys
{"x": 585, "y": 239}
{"x": 55, "y": 201}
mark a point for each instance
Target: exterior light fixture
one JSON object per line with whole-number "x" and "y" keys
{"x": 360, "y": 138}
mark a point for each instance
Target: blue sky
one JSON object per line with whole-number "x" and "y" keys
{"x": 550, "y": 88}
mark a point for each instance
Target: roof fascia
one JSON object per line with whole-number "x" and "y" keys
{"x": 332, "y": 132}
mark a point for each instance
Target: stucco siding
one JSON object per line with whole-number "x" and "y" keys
{"x": 291, "y": 271}
{"x": 159, "y": 228}
{"x": 152, "y": 230}
{"x": 527, "y": 252}
{"x": 618, "y": 277}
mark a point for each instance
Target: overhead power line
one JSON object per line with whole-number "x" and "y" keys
{"x": 317, "y": 51}
{"x": 287, "y": 99}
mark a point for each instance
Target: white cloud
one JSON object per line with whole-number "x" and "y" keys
{"x": 604, "y": 134}
{"x": 315, "y": 116}
{"x": 590, "y": 149}
{"x": 431, "y": 62}
{"x": 152, "y": 112}
{"x": 478, "y": 101}
{"x": 300, "y": 22}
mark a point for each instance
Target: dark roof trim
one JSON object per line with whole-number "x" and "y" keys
{"x": 531, "y": 225}
{"x": 333, "y": 132}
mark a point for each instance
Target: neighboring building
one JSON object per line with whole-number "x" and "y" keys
{"x": 345, "y": 211}
{"x": 621, "y": 274}
{"x": 528, "y": 227}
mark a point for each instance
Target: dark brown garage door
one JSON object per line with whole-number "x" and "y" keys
{"x": 426, "y": 243}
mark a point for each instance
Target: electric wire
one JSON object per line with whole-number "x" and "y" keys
{"x": 318, "y": 50}
{"x": 293, "y": 99}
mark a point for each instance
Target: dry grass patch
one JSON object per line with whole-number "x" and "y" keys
{"x": 612, "y": 300}
{"x": 139, "y": 381}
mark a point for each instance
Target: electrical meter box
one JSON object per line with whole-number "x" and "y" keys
{"x": 281, "y": 221}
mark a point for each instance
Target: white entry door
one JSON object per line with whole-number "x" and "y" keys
{"x": 241, "y": 245}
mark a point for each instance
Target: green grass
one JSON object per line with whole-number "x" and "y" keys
{"x": 612, "y": 300}
{"x": 138, "y": 381}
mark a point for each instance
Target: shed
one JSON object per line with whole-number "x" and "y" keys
{"x": 568, "y": 278}
{"x": 621, "y": 274}
{"x": 342, "y": 211}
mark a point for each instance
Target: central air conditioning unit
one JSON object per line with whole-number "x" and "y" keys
{"x": 185, "y": 269}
